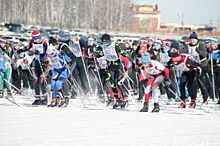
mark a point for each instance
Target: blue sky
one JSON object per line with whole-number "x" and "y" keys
{"x": 194, "y": 11}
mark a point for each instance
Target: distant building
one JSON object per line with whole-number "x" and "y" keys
{"x": 146, "y": 18}
{"x": 184, "y": 29}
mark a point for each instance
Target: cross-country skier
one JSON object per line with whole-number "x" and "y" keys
{"x": 116, "y": 70}
{"x": 155, "y": 73}
{"x": 60, "y": 72}
{"x": 79, "y": 70}
{"x": 5, "y": 69}
{"x": 214, "y": 65}
{"x": 199, "y": 52}
{"x": 190, "y": 71}
{"x": 38, "y": 47}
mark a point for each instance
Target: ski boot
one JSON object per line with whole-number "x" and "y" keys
{"x": 53, "y": 102}
{"x": 156, "y": 108}
{"x": 182, "y": 105}
{"x": 205, "y": 100}
{"x": 63, "y": 102}
{"x": 218, "y": 101}
{"x": 44, "y": 101}
{"x": 117, "y": 103}
{"x": 124, "y": 102}
{"x": 101, "y": 98}
{"x": 192, "y": 104}
{"x": 37, "y": 101}
{"x": 110, "y": 101}
{"x": 145, "y": 108}
{"x": 1, "y": 94}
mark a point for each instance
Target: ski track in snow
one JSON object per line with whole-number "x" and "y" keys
{"x": 99, "y": 125}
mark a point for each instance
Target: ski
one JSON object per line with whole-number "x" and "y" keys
{"x": 12, "y": 101}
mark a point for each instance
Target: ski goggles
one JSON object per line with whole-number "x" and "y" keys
{"x": 157, "y": 44}
{"x": 36, "y": 37}
{"x": 72, "y": 36}
{"x": 166, "y": 44}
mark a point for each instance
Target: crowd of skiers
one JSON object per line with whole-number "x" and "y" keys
{"x": 112, "y": 70}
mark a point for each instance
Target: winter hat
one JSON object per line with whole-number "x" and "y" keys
{"x": 52, "y": 40}
{"x": 193, "y": 36}
{"x": 175, "y": 45}
{"x": 135, "y": 43}
{"x": 35, "y": 35}
{"x": 145, "y": 58}
{"x": 106, "y": 37}
{"x": 72, "y": 35}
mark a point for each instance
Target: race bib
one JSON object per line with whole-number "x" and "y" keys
{"x": 38, "y": 47}
{"x": 75, "y": 49}
{"x": 164, "y": 58}
{"x": 55, "y": 62}
{"x": 110, "y": 53}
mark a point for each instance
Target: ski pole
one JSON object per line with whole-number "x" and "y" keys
{"x": 12, "y": 85}
{"x": 11, "y": 96}
{"x": 84, "y": 65}
{"x": 137, "y": 81}
{"x": 213, "y": 78}
{"x": 169, "y": 89}
{"x": 176, "y": 81}
{"x": 73, "y": 87}
{"x": 75, "y": 82}
{"x": 12, "y": 101}
{"x": 99, "y": 77}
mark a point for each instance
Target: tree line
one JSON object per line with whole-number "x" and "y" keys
{"x": 83, "y": 14}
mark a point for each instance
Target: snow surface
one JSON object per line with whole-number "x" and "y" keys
{"x": 98, "y": 125}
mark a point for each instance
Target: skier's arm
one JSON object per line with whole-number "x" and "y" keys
{"x": 25, "y": 48}
{"x": 7, "y": 58}
{"x": 202, "y": 51}
{"x": 166, "y": 72}
{"x": 193, "y": 65}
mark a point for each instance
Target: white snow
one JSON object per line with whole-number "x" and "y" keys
{"x": 98, "y": 125}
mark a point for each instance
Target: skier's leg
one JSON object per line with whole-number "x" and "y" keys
{"x": 16, "y": 78}
{"x": 191, "y": 84}
{"x": 147, "y": 94}
{"x": 1, "y": 83}
{"x": 183, "y": 81}
{"x": 37, "y": 92}
{"x": 155, "y": 93}
{"x": 7, "y": 77}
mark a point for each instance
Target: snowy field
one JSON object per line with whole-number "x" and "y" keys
{"x": 98, "y": 125}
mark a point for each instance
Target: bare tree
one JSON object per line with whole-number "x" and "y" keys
{"x": 84, "y": 14}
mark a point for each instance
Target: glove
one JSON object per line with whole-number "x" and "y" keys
{"x": 167, "y": 83}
